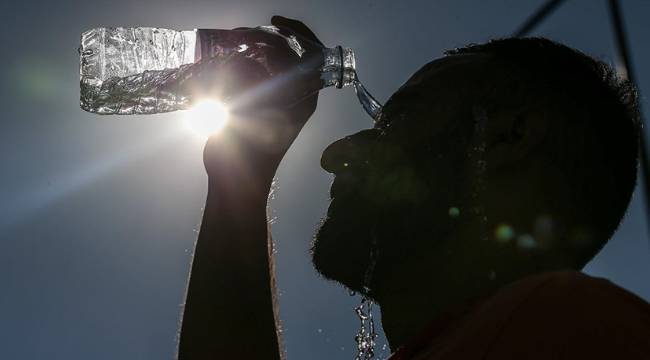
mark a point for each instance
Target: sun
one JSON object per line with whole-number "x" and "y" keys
{"x": 206, "y": 117}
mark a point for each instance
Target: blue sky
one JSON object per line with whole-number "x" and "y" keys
{"x": 99, "y": 213}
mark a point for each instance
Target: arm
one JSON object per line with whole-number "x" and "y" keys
{"x": 229, "y": 312}
{"x": 230, "y": 308}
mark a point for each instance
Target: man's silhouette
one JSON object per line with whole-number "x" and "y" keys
{"x": 493, "y": 176}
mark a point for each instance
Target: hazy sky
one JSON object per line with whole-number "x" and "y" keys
{"x": 99, "y": 213}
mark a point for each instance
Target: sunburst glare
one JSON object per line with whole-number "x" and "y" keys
{"x": 206, "y": 117}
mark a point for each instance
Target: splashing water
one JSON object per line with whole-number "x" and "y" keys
{"x": 367, "y": 334}
{"x": 369, "y": 103}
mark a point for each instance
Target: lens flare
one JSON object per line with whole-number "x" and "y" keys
{"x": 206, "y": 117}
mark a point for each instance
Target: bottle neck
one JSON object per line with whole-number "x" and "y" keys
{"x": 339, "y": 67}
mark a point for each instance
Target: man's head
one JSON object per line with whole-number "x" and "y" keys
{"x": 504, "y": 159}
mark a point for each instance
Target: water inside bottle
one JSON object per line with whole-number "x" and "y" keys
{"x": 145, "y": 70}
{"x": 132, "y": 70}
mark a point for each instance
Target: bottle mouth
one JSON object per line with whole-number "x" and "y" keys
{"x": 348, "y": 72}
{"x": 339, "y": 67}
{"x": 340, "y": 82}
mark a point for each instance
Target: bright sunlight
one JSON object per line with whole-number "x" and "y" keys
{"x": 206, "y": 117}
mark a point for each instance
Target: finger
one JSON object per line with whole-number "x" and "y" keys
{"x": 297, "y": 26}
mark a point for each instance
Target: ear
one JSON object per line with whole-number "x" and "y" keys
{"x": 513, "y": 135}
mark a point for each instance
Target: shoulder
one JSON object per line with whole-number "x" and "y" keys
{"x": 576, "y": 314}
{"x": 554, "y": 315}
{"x": 574, "y": 293}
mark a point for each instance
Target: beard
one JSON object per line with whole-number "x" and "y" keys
{"x": 342, "y": 246}
{"x": 355, "y": 229}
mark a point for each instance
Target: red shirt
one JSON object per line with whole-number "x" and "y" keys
{"x": 555, "y": 315}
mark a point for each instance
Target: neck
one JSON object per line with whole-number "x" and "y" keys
{"x": 405, "y": 313}
{"x": 403, "y": 317}
{"x": 439, "y": 280}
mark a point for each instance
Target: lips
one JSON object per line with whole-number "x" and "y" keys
{"x": 333, "y": 189}
{"x": 339, "y": 196}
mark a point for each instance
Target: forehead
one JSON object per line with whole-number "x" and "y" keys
{"x": 439, "y": 91}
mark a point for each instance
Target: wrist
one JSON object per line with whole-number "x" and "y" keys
{"x": 230, "y": 187}
{"x": 237, "y": 158}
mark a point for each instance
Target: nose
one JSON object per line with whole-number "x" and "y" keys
{"x": 349, "y": 152}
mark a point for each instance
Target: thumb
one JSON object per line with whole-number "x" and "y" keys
{"x": 296, "y": 26}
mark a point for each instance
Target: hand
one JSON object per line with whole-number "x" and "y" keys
{"x": 251, "y": 146}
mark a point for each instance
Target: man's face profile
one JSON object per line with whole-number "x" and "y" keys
{"x": 383, "y": 192}
{"x": 512, "y": 160}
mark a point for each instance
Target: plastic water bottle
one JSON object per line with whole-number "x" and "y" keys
{"x": 152, "y": 70}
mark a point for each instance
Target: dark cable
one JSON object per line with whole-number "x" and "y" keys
{"x": 624, "y": 54}
{"x": 537, "y": 18}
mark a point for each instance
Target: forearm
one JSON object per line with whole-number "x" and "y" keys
{"x": 229, "y": 312}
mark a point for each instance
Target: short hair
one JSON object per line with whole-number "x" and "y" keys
{"x": 603, "y": 172}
